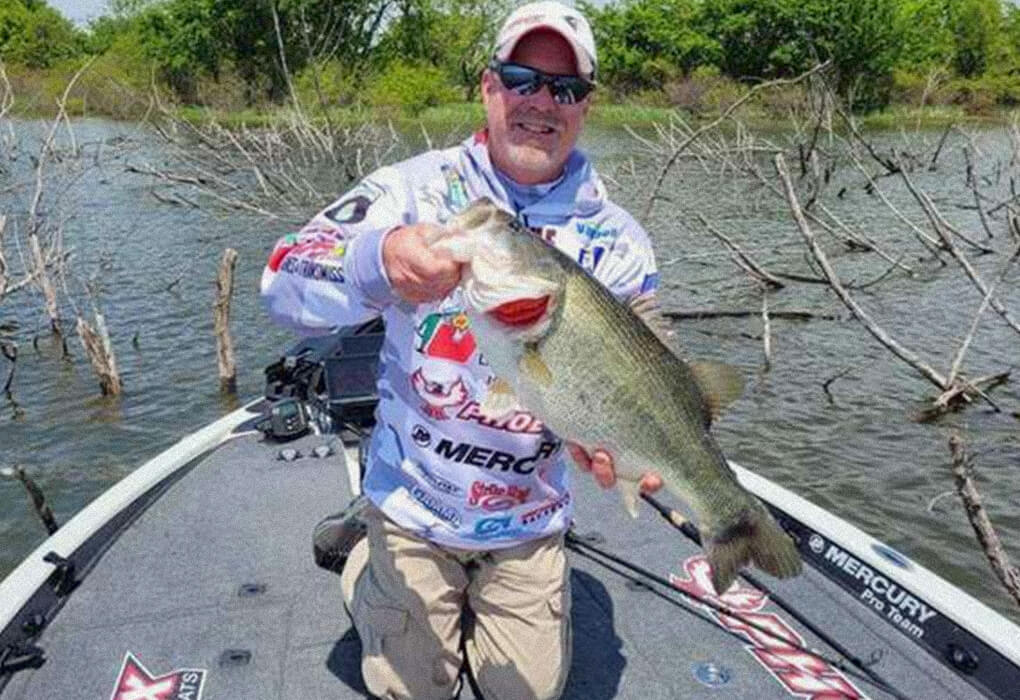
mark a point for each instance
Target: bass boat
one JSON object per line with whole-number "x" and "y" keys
{"x": 192, "y": 578}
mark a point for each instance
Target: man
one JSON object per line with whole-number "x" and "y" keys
{"x": 465, "y": 509}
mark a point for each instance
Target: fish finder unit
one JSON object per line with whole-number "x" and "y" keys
{"x": 331, "y": 377}
{"x": 286, "y": 419}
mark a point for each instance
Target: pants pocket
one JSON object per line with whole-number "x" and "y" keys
{"x": 376, "y": 621}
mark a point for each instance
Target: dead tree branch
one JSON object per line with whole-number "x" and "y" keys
{"x": 985, "y": 532}
{"x": 876, "y": 331}
{"x": 743, "y": 260}
{"x": 668, "y": 165}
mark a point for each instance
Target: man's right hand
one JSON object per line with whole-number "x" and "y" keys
{"x": 417, "y": 272}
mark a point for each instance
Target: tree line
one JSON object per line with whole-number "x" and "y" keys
{"x": 414, "y": 53}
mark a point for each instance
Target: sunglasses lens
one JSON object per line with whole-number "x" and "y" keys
{"x": 520, "y": 79}
{"x": 568, "y": 91}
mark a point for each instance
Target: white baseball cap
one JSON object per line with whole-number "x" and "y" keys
{"x": 565, "y": 21}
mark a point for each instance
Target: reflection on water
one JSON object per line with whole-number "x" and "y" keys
{"x": 859, "y": 454}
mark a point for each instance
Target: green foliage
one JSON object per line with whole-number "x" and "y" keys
{"x": 410, "y": 88}
{"x": 407, "y": 55}
{"x": 647, "y": 43}
{"x": 926, "y": 37}
{"x": 331, "y": 83}
{"x": 763, "y": 39}
{"x": 35, "y": 35}
{"x": 456, "y": 36}
{"x": 975, "y": 25}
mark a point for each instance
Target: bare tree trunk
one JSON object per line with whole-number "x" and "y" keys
{"x": 96, "y": 342}
{"x": 221, "y": 316}
{"x": 42, "y": 277}
{"x": 3, "y": 261}
{"x": 1008, "y": 574}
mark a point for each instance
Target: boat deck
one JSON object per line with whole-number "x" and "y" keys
{"x": 216, "y": 575}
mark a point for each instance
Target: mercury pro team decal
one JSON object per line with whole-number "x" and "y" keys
{"x": 135, "y": 682}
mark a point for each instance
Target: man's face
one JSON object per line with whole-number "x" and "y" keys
{"x": 530, "y": 136}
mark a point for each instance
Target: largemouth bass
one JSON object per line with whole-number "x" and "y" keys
{"x": 562, "y": 346}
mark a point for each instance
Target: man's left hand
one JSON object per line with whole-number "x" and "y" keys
{"x": 600, "y": 464}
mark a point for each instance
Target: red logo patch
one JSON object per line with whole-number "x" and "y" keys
{"x": 135, "y": 682}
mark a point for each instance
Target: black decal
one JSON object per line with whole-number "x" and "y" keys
{"x": 350, "y": 211}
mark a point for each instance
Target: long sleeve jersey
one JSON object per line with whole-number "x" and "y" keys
{"x": 437, "y": 466}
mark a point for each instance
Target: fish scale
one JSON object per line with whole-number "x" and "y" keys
{"x": 646, "y": 414}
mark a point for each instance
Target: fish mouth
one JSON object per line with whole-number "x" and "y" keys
{"x": 520, "y": 312}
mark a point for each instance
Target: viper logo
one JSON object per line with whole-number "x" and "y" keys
{"x": 135, "y": 682}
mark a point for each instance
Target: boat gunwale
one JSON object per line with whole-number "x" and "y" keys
{"x": 952, "y": 602}
{"x": 26, "y": 581}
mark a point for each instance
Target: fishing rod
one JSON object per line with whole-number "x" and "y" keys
{"x": 691, "y": 531}
{"x": 579, "y": 545}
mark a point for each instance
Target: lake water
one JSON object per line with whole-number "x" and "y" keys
{"x": 861, "y": 454}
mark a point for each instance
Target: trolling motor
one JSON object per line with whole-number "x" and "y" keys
{"x": 326, "y": 382}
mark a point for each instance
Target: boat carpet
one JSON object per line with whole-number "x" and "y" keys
{"x": 217, "y": 576}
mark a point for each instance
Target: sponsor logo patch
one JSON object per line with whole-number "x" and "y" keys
{"x": 492, "y": 496}
{"x": 456, "y": 190}
{"x": 496, "y": 527}
{"x": 593, "y": 232}
{"x": 438, "y": 395}
{"x": 489, "y": 458}
{"x": 421, "y": 436}
{"x": 801, "y": 674}
{"x": 353, "y": 208}
{"x": 512, "y": 422}
{"x": 446, "y": 336}
{"x": 437, "y": 482}
{"x": 135, "y": 682}
{"x": 435, "y": 506}
{"x": 545, "y": 510}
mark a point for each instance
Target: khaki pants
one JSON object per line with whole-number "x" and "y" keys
{"x": 406, "y": 596}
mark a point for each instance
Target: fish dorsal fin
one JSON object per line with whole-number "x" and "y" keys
{"x": 646, "y": 307}
{"x": 720, "y": 385}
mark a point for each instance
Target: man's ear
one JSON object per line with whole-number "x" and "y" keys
{"x": 488, "y": 84}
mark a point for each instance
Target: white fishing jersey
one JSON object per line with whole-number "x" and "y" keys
{"x": 437, "y": 466}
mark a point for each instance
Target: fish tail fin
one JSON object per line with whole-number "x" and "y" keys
{"x": 754, "y": 537}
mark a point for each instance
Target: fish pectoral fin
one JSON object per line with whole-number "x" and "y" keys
{"x": 720, "y": 385}
{"x": 629, "y": 491}
{"x": 500, "y": 399}
{"x": 534, "y": 367}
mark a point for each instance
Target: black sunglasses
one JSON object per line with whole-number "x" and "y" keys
{"x": 565, "y": 89}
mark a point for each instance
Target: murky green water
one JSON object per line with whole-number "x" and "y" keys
{"x": 860, "y": 455}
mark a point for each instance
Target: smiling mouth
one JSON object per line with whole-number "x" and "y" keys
{"x": 537, "y": 129}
